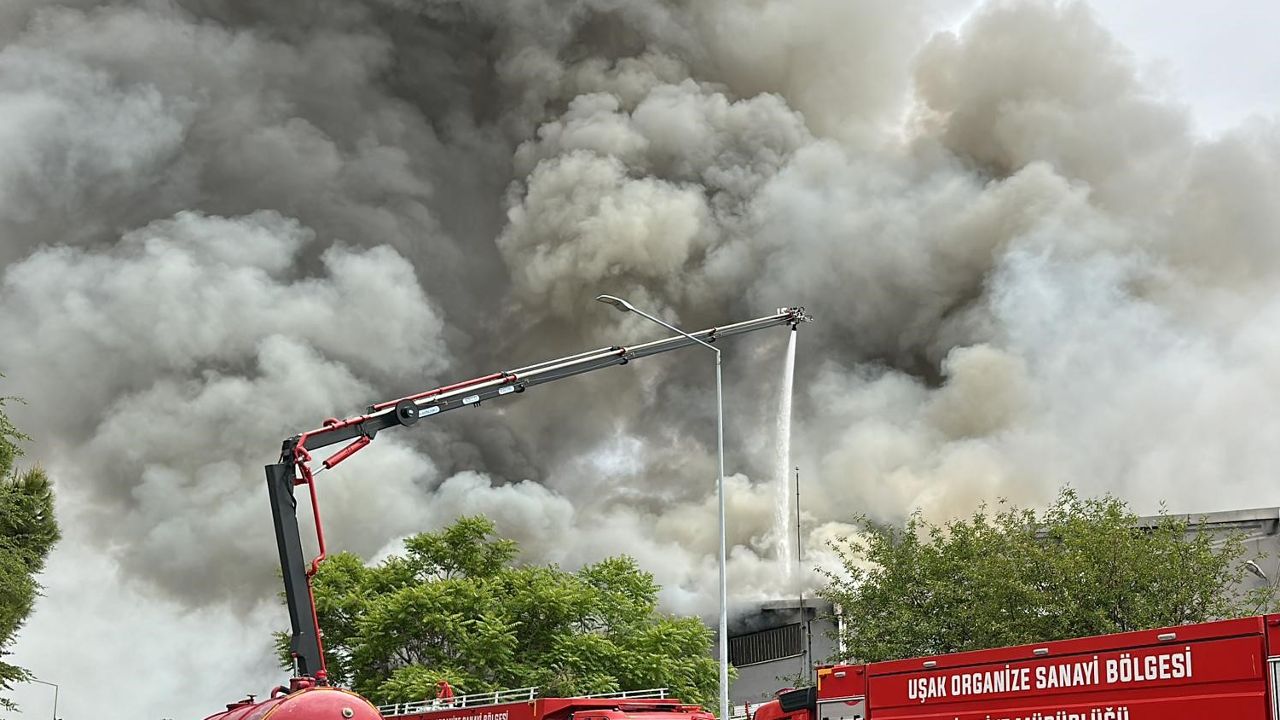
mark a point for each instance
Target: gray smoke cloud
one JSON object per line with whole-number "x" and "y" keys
{"x": 224, "y": 222}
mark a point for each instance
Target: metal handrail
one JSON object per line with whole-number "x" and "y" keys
{"x": 497, "y": 697}
{"x": 651, "y": 693}
{"x": 501, "y": 697}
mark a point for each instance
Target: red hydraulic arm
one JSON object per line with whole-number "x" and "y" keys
{"x": 294, "y": 467}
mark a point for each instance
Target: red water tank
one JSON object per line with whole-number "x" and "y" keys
{"x": 314, "y": 703}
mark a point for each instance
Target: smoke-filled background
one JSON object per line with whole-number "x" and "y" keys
{"x": 221, "y": 222}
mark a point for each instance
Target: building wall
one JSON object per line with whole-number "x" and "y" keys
{"x": 1260, "y": 528}
{"x": 775, "y": 644}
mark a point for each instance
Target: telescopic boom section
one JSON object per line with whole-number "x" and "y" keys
{"x": 294, "y": 467}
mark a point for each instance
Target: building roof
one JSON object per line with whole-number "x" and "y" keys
{"x": 792, "y": 604}
{"x": 1266, "y": 520}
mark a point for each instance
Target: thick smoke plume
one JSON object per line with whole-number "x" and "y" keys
{"x": 223, "y": 222}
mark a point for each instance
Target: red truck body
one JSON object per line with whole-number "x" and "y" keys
{"x": 1223, "y": 670}
{"x": 302, "y": 704}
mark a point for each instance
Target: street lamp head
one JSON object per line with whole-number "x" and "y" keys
{"x": 617, "y": 302}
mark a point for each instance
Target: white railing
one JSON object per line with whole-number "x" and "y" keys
{"x": 460, "y": 701}
{"x": 501, "y": 697}
{"x": 651, "y": 693}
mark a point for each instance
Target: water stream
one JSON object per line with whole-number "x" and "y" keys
{"x": 785, "y": 510}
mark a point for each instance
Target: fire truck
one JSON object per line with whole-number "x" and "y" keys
{"x": 1225, "y": 670}
{"x": 309, "y": 696}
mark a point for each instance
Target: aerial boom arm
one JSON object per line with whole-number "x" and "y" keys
{"x": 408, "y": 410}
{"x": 294, "y": 467}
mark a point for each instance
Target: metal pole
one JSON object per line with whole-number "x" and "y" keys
{"x": 804, "y": 615}
{"x": 724, "y": 586}
{"x": 55, "y": 694}
{"x": 804, "y": 656}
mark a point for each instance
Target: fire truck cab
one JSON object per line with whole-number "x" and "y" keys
{"x": 1226, "y": 670}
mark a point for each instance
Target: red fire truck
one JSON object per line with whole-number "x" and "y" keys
{"x": 1227, "y": 670}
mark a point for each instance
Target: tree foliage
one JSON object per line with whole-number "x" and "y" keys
{"x": 457, "y": 606}
{"x": 1082, "y": 567}
{"x": 28, "y": 531}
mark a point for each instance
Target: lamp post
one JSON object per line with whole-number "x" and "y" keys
{"x": 55, "y": 694}
{"x": 624, "y": 306}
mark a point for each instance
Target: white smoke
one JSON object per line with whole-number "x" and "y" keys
{"x": 191, "y": 334}
{"x": 223, "y": 223}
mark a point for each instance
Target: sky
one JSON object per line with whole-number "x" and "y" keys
{"x": 1224, "y": 64}
{"x": 1221, "y": 58}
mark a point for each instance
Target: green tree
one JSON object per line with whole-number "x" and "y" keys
{"x": 1081, "y": 567}
{"x": 27, "y": 533}
{"x": 457, "y": 606}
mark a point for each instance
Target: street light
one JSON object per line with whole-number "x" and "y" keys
{"x": 624, "y": 306}
{"x": 55, "y": 694}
